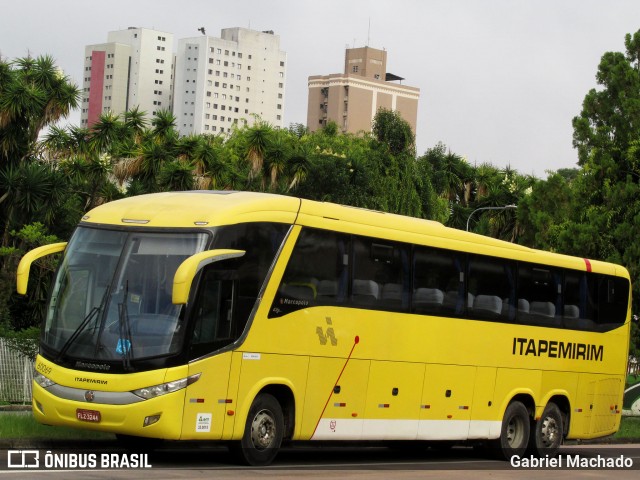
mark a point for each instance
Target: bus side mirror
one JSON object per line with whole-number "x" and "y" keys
{"x": 25, "y": 263}
{"x": 188, "y": 269}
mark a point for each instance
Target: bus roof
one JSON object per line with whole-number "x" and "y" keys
{"x": 204, "y": 208}
{"x": 215, "y": 208}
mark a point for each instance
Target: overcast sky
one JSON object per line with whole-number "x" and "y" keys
{"x": 500, "y": 80}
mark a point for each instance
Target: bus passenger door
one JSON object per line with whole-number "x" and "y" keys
{"x": 215, "y": 325}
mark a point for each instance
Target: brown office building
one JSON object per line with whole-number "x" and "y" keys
{"x": 351, "y": 99}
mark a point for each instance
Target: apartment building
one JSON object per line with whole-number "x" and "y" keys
{"x": 352, "y": 98}
{"x": 133, "y": 68}
{"x": 227, "y": 81}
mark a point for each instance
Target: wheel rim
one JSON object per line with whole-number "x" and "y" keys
{"x": 515, "y": 432}
{"x": 263, "y": 430}
{"x": 549, "y": 432}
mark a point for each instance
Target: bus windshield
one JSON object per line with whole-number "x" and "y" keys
{"x": 111, "y": 299}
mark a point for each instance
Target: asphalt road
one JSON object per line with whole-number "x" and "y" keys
{"x": 309, "y": 460}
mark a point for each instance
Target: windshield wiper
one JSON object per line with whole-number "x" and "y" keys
{"x": 90, "y": 316}
{"x": 124, "y": 346}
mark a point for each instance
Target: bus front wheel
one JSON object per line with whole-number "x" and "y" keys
{"x": 514, "y": 435}
{"x": 547, "y": 433}
{"x": 263, "y": 432}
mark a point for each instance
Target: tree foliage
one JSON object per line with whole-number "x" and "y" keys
{"x": 590, "y": 211}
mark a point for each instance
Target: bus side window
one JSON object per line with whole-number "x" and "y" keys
{"x": 578, "y": 313}
{"x": 491, "y": 289}
{"x": 437, "y": 282}
{"x": 613, "y": 297}
{"x": 316, "y": 274}
{"x": 215, "y": 321}
{"x": 380, "y": 275}
{"x": 540, "y": 286}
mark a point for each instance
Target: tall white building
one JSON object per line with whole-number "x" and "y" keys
{"x": 221, "y": 82}
{"x": 134, "y": 68}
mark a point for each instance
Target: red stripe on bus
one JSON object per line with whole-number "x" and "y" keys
{"x": 588, "y": 264}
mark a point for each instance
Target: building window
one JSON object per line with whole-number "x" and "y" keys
{"x": 355, "y": 69}
{"x": 282, "y": 64}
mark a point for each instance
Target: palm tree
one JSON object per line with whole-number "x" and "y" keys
{"x": 58, "y": 143}
{"x": 277, "y": 157}
{"x": 257, "y": 140}
{"x": 176, "y": 175}
{"x": 135, "y": 123}
{"x": 299, "y": 165}
{"x": 163, "y": 123}
{"x": 33, "y": 95}
{"x": 105, "y": 132}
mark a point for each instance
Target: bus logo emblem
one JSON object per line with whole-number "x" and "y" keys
{"x": 89, "y": 396}
{"x": 329, "y": 335}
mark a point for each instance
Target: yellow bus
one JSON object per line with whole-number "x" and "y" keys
{"x": 253, "y": 319}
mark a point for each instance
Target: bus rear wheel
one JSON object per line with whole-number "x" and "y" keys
{"x": 514, "y": 435}
{"x": 547, "y": 433}
{"x": 263, "y": 432}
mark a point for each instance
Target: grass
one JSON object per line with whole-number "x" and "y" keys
{"x": 24, "y": 426}
{"x": 629, "y": 428}
{"x": 632, "y": 380}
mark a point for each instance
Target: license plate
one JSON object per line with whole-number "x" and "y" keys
{"x": 88, "y": 415}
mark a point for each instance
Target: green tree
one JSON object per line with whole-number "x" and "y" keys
{"x": 392, "y": 130}
{"x": 606, "y": 135}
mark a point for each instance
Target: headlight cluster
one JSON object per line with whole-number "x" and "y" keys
{"x": 41, "y": 380}
{"x": 164, "y": 388}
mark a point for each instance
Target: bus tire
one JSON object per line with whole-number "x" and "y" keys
{"x": 514, "y": 435}
{"x": 263, "y": 432}
{"x": 547, "y": 432}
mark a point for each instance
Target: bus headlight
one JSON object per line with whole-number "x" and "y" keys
{"x": 164, "y": 388}
{"x": 41, "y": 380}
